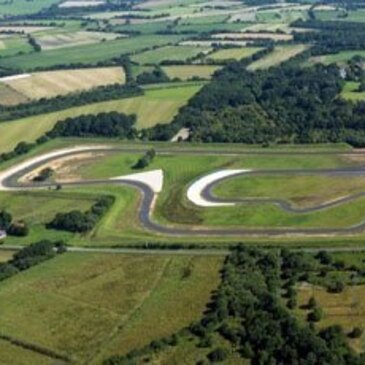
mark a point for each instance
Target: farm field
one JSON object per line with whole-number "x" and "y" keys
{"x": 172, "y": 53}
{"x": 20, "y": 7}
{"x": 9, "y": 96}
{"x": 156, "y": 106}
{"x": 251, "y": 35}
{"x": 340, "y": 57}
{"x": 186, "y": 72}
{"x": 233, "y": 53}
{"x": 76, "y": 303}
{"x": 53, "y": 83}
{"x": 14, "y": 45}
{"x": 278, "y": 56}
{"x": 87, "y": 54}
{"x": 64, "y": 40}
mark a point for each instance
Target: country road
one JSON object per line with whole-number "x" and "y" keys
{"x": 183, "y": 251}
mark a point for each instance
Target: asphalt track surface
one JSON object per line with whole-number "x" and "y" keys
{"x": 148, "y": 195}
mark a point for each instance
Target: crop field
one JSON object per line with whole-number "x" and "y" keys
{"x": 89, "y": 54}
{"x": 278, "y": 56}
{"x": 63, "y": 40}
{"x": 234, "y": 53}
{"x": 28, "y": 29}
{"x": 171, "y": 53}
{"x": 77, "y": 304}
{"x": 186, "y": 72}
{"x": 156, "y": 106}
{"x": 9, "y": 96}
{"x": 252, "y": 35}
{"x": 53, "y": 83}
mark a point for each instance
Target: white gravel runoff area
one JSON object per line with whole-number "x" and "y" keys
{"x": 195, "y": 190}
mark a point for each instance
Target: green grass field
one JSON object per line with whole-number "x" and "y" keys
{"x": 156, "y": 106}
{"x": 301, "y": 191}
{"x": 278, "y": 56}
{"x": 172, "y": 53}
{"x": 22, "y": 7}
{"x": 89, "y": 306}
{"x": 351, "y": 92}
{"x": 234, "y": 53}
{"x": 87, "y": 54}
{"x": 186, "y": 72}
{"x": 340, "y": 57}
{"x": 13, "y": 45}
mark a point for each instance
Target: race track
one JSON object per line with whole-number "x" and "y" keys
{"x": 9, "y": 180}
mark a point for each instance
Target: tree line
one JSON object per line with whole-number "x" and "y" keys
{"x": 30, "y": 256}
{"x": 81, "y": 222}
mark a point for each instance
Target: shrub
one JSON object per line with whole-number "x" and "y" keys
{"x": 218, "y": 355}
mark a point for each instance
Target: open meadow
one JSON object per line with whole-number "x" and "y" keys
{"x": 156, "y": 106}
{"x": 89, "y": 306}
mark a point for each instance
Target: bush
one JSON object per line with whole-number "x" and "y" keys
{"x": 356, "y": 332}
{"x": 145, "y": 160}
{"x": 316, "y": 315}
{"x": 336, "y": 286}
{"x": 19, "y": 229}
{"x": 218, "y": 355}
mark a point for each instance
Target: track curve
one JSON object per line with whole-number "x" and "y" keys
{"x": 9, "y": 180}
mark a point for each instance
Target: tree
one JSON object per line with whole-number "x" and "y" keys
{"x": 5, "y": 220}
{"x": 312, "y": 303}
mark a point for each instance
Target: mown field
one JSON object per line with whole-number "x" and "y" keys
{"x": 233, "y": 53}
{"x": 12, "y": 45}
{"x": 300, "y": 191}
{"x": 278, "y": 56}
{"x": 53, "y": 83}
{"x": 186, "y": 72}
{"x": 89, "y": 306}
{"x": 156, "y": 106}
{"x": 74, "y": 39}
{"x": 87, "y": 54}
{"x": 171, "y": 53}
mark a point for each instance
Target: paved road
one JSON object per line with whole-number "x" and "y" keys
{"x": 183, "y": 251}
{"x": 148, "y": 197}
